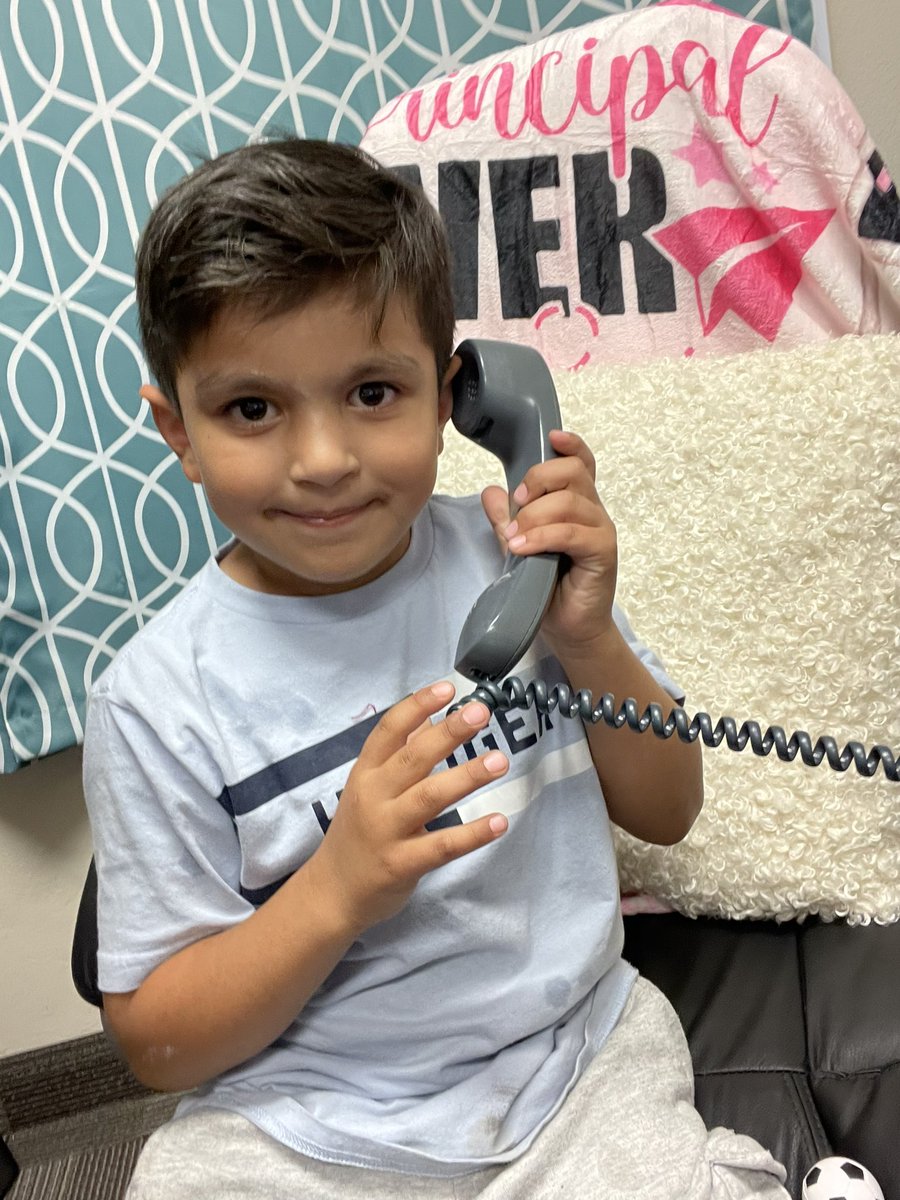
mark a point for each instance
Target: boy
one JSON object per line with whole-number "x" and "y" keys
{"x": 381, "y": 944}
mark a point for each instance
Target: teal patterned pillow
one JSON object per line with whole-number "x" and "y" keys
{"x": 102, "y": 105}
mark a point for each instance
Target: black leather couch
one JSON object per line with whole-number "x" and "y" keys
{"x": 794, "y": 1031}
{"x": 794, "y": 1028}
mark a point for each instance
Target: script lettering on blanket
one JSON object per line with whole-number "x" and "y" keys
{"x": 586, "y": 174}
{"x": 624, "y": 90}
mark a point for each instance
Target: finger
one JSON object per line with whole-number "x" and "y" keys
{"x": 562, "y": 523}
{"x": 495, "y": 502}
{"x": 569, "y": 444}
{"x": 555, "y": 508}
{"x": 414, "y": 761}
{"x": 583, "y": 544}
{"x": 429, "y": 798}
{"x": 426, "y": 724}
{"x": 403, "y": 719}
{"x": 554, "y": 475}
{"x": 436, "y": 849}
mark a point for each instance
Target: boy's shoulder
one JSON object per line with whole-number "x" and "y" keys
{"x": 162, "y": 648}
{"x": 442, "y": 502}
{"x": 199, "y": 623}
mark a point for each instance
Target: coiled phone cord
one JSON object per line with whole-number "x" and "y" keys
{"x": 513, "y": 693}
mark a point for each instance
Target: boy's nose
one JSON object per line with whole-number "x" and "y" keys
{"x": 321, "y": 452}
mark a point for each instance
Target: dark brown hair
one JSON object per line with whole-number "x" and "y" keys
{"x": 271, "y": 225}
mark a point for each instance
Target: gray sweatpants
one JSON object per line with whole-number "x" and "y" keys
{"x": 629, "y": 1129}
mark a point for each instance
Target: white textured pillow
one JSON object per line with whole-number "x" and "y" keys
{"x": 757, "y": 502}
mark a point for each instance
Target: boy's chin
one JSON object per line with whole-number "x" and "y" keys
{"x": 281, "y": 577}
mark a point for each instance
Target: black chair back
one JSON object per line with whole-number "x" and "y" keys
{"x": 84, "y": 943}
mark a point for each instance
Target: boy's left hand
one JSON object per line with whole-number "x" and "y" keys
{"x": 653, "y": 789}
{"x": 560, "y": 513}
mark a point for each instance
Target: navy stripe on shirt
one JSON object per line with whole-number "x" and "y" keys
{"x": 264, "y": 785}
{"x": 258, "y": 896}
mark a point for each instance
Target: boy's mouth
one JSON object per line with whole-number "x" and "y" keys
{"x": 325, "y": 518}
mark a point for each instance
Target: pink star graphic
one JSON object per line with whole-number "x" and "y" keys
{"x": 706, "y": 157}
{"x": 763, "y": 177}
{"x": 751, "y": 261}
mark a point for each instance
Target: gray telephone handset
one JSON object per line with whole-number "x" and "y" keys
{"x": 504, "y": 399}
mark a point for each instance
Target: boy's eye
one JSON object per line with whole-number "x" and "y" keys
{"x": 373, "y": 395}
{"x": 250, "y": 408}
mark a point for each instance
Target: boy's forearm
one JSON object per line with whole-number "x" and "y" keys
{"x": 223, "y": 999}
{"x": 653, "y": 787}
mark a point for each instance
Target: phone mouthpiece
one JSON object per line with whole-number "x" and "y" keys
{"x": 505, "y": 618}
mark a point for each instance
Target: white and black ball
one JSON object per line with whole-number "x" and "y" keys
{"x": 840, "y": 1179}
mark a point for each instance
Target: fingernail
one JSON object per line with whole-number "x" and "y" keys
{"x": 475, "y": 714}
{"x": 495, "y": 762}
{"x": 442, "y": 691}
{"x": 511, "y": 528}
{"x": 516, "y": 543}
{"x": 520, "y": 495}
{"x": 498, "y": 824}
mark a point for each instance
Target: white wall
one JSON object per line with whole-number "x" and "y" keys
{"x": 44, "y": 839}
{"x": 45, "y": 848}
{"x": 865, "y": 56}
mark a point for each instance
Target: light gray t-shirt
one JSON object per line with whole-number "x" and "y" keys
{"x": 217, "y": 745}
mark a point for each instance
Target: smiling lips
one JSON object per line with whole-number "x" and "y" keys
{"x": 325, "y": 520}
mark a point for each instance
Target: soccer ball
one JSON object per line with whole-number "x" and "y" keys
{"x": 840, "y": 1179}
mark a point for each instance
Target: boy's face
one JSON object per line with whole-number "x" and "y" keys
{"x": 315, "y": 442}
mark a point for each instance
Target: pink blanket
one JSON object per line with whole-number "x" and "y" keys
{"x": 673, "y": 181}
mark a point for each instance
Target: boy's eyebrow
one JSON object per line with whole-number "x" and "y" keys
{"x": 375, "y": 366}
{"x": 381, "y": 363}
{"x": 215, "y": 381}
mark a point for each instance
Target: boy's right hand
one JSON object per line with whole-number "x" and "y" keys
{"x": 377, "y": 847}
{"x": 223, "y": 998}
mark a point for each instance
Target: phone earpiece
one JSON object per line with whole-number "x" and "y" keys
{"x": 504, "y": 399}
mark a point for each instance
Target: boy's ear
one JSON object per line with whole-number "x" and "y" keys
{"x": 445, "y": 398}
{"x": 170, "y": 424}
